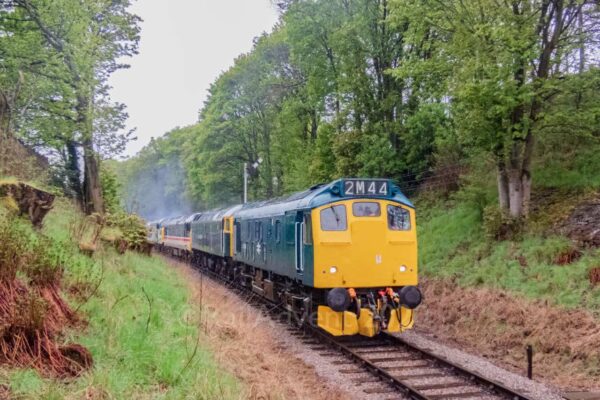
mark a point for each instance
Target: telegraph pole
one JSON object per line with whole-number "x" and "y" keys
{"x": 245, "y": 183}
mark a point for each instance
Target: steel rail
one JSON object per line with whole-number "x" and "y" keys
{"x": 404, "y": 388}
{"x": 379, "y": 372}
{"x": 459, "y": 370}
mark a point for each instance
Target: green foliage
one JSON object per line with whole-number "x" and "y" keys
{"x": 111, "y": 188}
{"x": 315, "y": 101}
{"x": 324, "y": 161}
{"x": 453, "y": 245}
{"x": 404, "y": 89}
{"x": 499, "y": 225}
{"x": 504, "y": 67}
{"x": 53, "y": 77}
{"x": 16, "y": 245}
{"x": 37, "y": 258}
{"x": 130, "y": 228}
{"x": 137, "y": 348}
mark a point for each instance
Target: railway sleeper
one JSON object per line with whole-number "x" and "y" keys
{"x": 462, "y": 395}
{"x": 231, "y": 276}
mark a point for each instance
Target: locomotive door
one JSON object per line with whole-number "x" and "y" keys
{"x": 238, "y": 237}
{"x": 303, "y": 240}
{"x": 307, "y": 244}
{"x": 299, "y": 248}
{"x": 226, "y": 242}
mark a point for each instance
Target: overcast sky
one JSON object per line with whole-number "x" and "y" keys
{"x": 185, "y": 45}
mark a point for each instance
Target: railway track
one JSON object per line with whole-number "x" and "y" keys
{"x": 410, "y": 371}
{"x": 384, "y": 366}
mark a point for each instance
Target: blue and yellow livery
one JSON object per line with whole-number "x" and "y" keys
{"x": 343, "y": 254}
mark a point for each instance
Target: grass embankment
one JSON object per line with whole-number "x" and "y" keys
{"x": 454, "y": 243}
{"x": 142, "y": 329}
{"x": 494, "y": 297}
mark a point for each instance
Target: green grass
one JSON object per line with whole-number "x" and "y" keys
{"x": 140, "y": 351}
{"x": 452, "y": 245}
{"x": 578, "y": 169}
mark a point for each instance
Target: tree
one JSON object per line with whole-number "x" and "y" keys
{"x": 238, "y": 125}
{"x": 87, "y": 38}
{"x": 346, "y": 50}
{"x": 504, "y": 62}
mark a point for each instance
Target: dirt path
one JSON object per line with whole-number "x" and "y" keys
{"x": 249, "y": 347}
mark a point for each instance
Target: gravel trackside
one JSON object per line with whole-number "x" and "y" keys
{"x": 276, "y": 361}
{"x": 535, "y": 390}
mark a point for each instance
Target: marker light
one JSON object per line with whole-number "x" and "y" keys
{"x": 333, "y": 270}
{"x": 403, "y": 268}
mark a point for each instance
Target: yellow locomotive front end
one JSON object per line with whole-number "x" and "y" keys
{"x": 365, "y": 253}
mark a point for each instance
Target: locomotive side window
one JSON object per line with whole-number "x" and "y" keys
{"x": 307, "y": 234}
{"x": 277, "y": 231}
{"x": 248, "y": 232}
{"x": 398, "y": 218}
{"x": 289, "y": 229}
{"x": 366, "y": 209}
{"x": 256, "y": 230}
{"x": 334, "y": 218}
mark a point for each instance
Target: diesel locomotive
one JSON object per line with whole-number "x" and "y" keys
{"x": 342, "y": 255}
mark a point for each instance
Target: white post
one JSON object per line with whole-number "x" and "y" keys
{"x": 245, "y": 183}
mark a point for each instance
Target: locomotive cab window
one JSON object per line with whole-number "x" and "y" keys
{"x": 398, "y": 218}
{"x": 366, "y": 209}
{"x": 334, "y": 218}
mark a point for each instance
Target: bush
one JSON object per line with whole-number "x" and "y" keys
{"x": 499, "y": 225}
{"x": 45, "y": 267}
{"x": 110, "y": 189}
{"x": 128, "y": 231}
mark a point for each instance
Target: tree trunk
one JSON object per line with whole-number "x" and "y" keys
{"x": 503, "y": 198}
{"x": 526, "y": 187}
{"x": 4, "y": 112}
{"x": 94, "y": 202}
{"x": 314, "y": 120}
{"x": 515, "y": 193}
{"x": 92, "y": 189}
{"x": 73, "y": 171}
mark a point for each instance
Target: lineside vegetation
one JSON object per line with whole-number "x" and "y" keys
{"x": 487, "y": 114}
{"x": 140, "y": 326}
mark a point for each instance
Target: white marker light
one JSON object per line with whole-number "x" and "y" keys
{"x": 403, "y": 268}
{"x": 333, "y": 270}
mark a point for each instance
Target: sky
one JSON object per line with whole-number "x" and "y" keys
{"x": 185, "y": 45}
